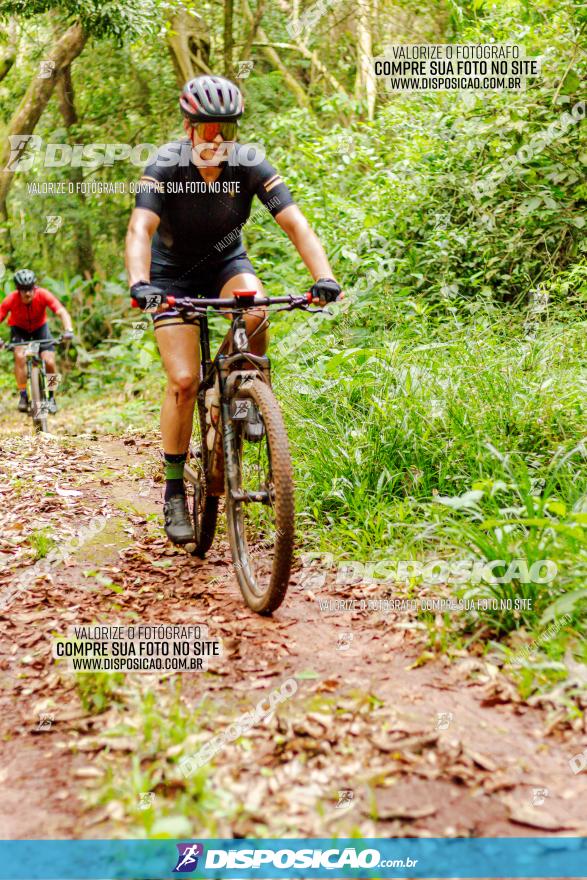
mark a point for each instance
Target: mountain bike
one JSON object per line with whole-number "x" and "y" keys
{"x": 243, "y": 453}
{"x": 39, "y": 382}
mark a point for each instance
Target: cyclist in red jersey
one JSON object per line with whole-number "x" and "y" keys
{"x": 27, "y": 307}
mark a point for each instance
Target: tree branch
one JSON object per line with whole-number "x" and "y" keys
{"x": 66, "y": 98}
{"x": 274, "y": 59}
{"x": 307, "y": 53}
{"x": 9, "y": 56}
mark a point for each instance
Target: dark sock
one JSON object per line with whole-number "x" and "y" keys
{"x": 51, "y": 395}
{"x": 174, "y": 475}
{"x": 24, "y": 394}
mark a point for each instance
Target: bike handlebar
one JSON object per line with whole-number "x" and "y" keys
{"x": 9, "y": 346}
{"x": 242, "y": 299}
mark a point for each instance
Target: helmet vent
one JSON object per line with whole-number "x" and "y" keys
{"x": 211, "y": 98}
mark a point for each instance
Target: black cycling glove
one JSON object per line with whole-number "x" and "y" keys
{"x": 147, "y": 296}
{"x": 326, "y": 290}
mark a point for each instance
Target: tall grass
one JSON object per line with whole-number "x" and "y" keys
{"x": 455, "y": 431}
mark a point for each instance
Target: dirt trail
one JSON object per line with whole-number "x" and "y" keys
{"x": 364, "y": 720}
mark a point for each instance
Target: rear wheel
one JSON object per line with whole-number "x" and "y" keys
{"x": 38, "y": 403}
{"x": 260, "y": 507}
{"x": 204, "y": 506}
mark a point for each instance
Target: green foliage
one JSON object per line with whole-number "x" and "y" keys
{"x": 98, "y": 690}
{"x": 41, "y": 542}
{"x": 121, "y": 20}
{"x": 424, "y": 433}
{"x": 162, "y": 735}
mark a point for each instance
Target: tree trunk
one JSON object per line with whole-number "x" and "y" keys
{"x": 188, "y": 41}
{"x": 274, "y": 59}
{"x": 83, "y": 237}
{"x": 365, "y": 83}
{"x": 7, "y": 60}
{"x": 228, "y": 37}
{"x": 35, "y": 99}
{"x": 246, "y": 51}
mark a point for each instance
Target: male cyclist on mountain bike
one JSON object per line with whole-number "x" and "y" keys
{"x": 194, "y": 199}
{"x": 27, "y": 306}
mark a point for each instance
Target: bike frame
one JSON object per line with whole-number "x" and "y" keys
{"x": 220, "y": 366}
{"x": 33, "y": 356}
{"x": 34, "y": 359}
{"x": 243, "y": 301}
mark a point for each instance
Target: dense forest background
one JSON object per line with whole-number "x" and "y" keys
{"x": 359, "y": 159}
{"x": 441, "y": 410}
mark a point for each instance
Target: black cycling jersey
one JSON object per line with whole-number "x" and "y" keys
{"x": 201, "y": 223}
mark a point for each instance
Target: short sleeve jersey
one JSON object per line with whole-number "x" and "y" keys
{"x": 200, "y": 224}
{"x": 29, "y": 316}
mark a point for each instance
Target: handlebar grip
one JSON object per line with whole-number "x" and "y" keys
{"x": 169, "y": 299}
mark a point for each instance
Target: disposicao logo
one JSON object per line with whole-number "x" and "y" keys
{"x": 187, "y": 860}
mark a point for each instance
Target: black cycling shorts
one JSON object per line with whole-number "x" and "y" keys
{"x": 18, "y": 334}
{"x": 211, "y": 279}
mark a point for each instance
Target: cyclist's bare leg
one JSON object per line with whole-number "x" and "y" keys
{"x": 180, "y": 355}
{"x": 20, "y": 368}
{"x": 253, "y": 318}
{"x": 50, "y": 363}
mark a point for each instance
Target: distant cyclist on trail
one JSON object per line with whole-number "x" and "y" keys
{"x": 184, "y": 239}
{"x": 27, "y": 307}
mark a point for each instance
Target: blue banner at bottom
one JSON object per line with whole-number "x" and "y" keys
{"x": 506, "y": 857}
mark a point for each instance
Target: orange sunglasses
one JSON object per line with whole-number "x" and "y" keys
{"x": 207, "y": 131}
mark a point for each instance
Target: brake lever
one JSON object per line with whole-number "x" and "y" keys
{"x": 307, "y": 308}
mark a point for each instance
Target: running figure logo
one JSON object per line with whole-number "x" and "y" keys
{"x": 345, "y": 799}
{"x": 187, "y": 860}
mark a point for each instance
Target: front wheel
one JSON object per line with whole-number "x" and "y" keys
{"x": 260, "y": 499}
{"x": 204, "y": 505}
{"x": 38, "y": 408}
